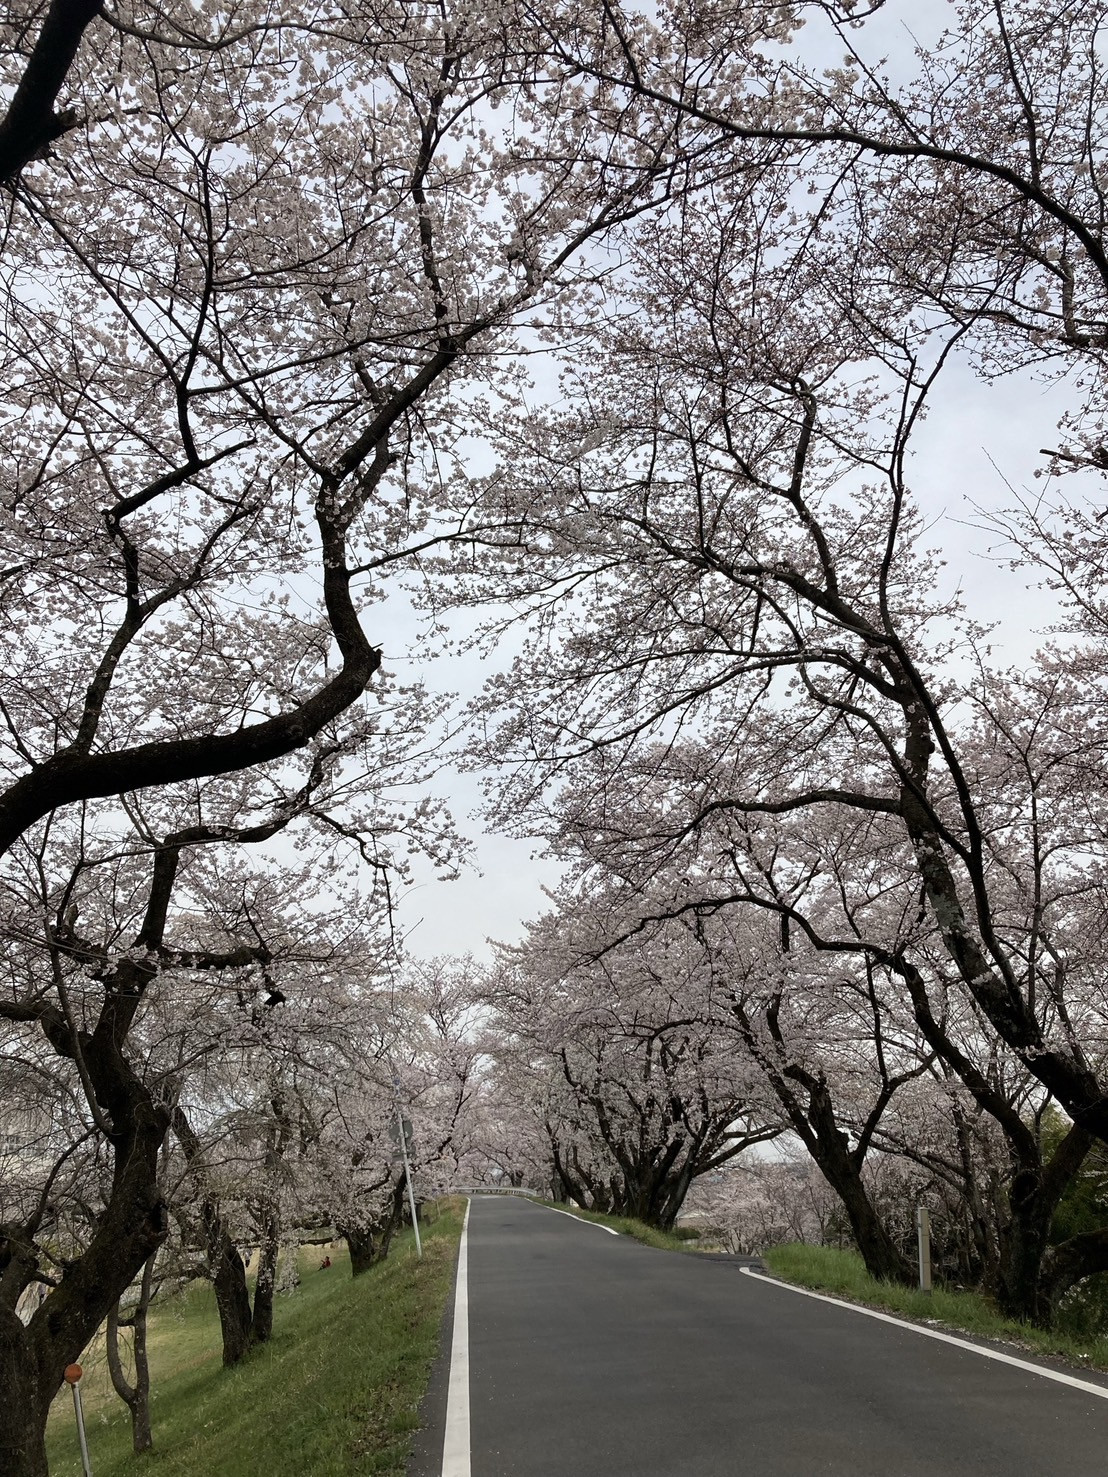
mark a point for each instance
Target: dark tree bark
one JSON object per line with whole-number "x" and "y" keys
{"x": 660, "y": 1140}
{"x": 369, "y": 1243}
{"x": 841, "y": 1167}
{"x": 809, "y": 1108}
{"x": 573, "y": 1181}
{"x": 266, "y": 1281}
{"x": 232, "y": 1296}
{"x": 367, "y": 1247}
{"x": 1032, "y": 1276}
{"x": 75, "y": 774}
{"x": 137, "y": 1396}
{"x": 31, "y": 123}
{"x": 226, "y": 1267}
{"x": 1071, "y": 1262}
{"x": 24, "y": 1407}
{"x": 134, "y": 1220}
{"x": 655, "y": 1189}
{"x": 1037, "y": 1185}
{"x": 130, "y": 1230}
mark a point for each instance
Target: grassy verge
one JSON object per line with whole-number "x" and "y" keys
{"x": 843, "y": 1274}
{"x": 335, "y": 1393}
{"x": 639, "y": 1231}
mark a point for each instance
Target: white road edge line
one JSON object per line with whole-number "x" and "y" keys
{"x": 455, "y": 1444}
{"x": 933, "y": 1333}
{"x": 580, "y": 1219}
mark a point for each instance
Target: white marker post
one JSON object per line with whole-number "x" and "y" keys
{"x": 403, "y": 1129}
{"x": 923, "y": 1239}
{"x": 73, "y": 1373}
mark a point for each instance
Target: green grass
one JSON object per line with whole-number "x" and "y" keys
{"x": 638, "y": 1230}
{"x": 843, "y": 1274}
{"x": 335, "y": 1393}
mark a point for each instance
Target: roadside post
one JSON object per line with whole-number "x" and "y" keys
{"x": 402, "y": 1133}
{"x": 923, "y": 1241}
{"x": 73, "y": 1373}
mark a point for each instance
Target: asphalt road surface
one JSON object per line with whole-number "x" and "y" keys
{"x": 591, "y": 1355}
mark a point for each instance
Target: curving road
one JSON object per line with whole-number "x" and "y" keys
{"x": 593, "y": 1355}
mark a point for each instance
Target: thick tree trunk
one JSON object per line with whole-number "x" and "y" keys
{"x": 365, "y": 1248}
{"x": 575, "y": 1183}
{"x": 370, "y": 1244}
{"x": 232, "y": 1296}
{"x": 24, "y": 1404}
{"x": 31, "y": 123}
{"x": 1019, "y": 1287}
{"x": 1025, "y": 1287}
{"x": 1033, "y": 1274}
{"x": 130, "y": 1228}
{"x": 1024, "y": 1241}
{"x": 817, "y": 1127}
{"x": 225, "y": 1266}
{"x": 655, "y": 1196}
{"x": 883, "y": 1258}
{"x": 675, "y": 1190}
{"x": 269, "y": 1250}
{"x": 1037, "y": 1186}
{"x": 841, "y": 1167}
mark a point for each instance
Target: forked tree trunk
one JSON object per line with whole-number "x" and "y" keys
{"x": 137, "y": 1396}
{"x": 241, "y": 1326}
{"x": 1030, "y": 1277}
{"x": 655, "y": 1192}
{"x": 369, "y": 1244}
{"x": 574, "y": 1182}
{"x": 226, "y": 1267}
{"x": 817, "y": 1127}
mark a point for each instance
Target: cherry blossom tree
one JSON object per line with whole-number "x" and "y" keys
{"x": 962, "y": 172}
{"x": 638, "y": 1092}
{"x": 136, "y": 956}
{"x": 748, "y": 566}
{"x": 738, "y": 508}
{"x": 257, "y": 272}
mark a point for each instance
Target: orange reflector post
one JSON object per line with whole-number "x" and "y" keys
{"x": 73, "y": 1373}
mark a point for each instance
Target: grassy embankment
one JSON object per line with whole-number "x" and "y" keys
{"x": 843, "y": 1274}
{"x": 335, "y": 1393}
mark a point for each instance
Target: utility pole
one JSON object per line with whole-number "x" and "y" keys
{"x": 403, "y": 1131}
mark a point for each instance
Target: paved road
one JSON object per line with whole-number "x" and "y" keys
{"x": 595, "y": 1356}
